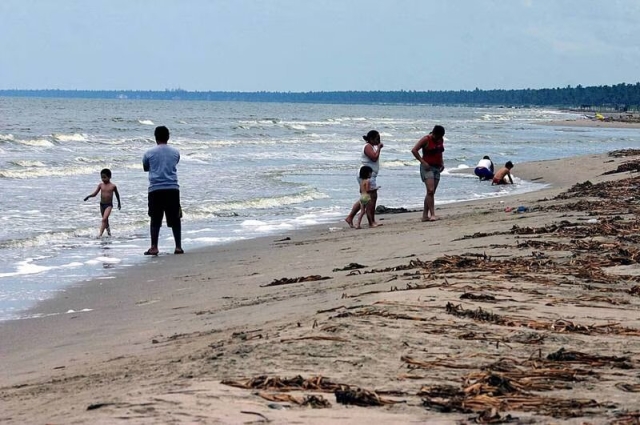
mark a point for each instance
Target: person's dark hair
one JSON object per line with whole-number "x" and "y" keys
{"x": 438, "y": 130}
{"x": 365, "y": 172}
{"x": 371, "y": 135}
{"x": 106, "y": 172}
{"x": 509, "y": 165}
{"x": 161, "y": 134}
{"x": 486, "y": 157}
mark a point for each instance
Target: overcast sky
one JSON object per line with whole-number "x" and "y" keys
{"x": 312, "y": 45}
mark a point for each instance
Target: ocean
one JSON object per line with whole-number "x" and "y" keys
{"x": 246, "y": 170}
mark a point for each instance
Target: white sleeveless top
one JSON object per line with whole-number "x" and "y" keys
{"x": 365, "y": 160}
{"x": 486, "y": 163}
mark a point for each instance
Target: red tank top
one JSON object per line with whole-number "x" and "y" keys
{"x": 432, "y": 151}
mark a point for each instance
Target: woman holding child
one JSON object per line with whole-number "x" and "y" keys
{"x": 370, "y": 157}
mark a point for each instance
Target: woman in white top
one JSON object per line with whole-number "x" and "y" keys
{"x": 484, "y": 169}
{"x": 370, "y": 156}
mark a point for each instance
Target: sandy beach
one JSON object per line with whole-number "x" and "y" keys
{"x": 492, "y": 314}
{"x": 611, "y": 120}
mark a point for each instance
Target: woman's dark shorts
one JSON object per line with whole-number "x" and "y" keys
{"x": 164, "y": 202}
{"x": 483, "y": 173}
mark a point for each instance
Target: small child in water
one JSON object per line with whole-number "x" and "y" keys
{"x": 107, "y": 190}
{"x": 365, "y": 197}
{"x": 503, "y": 176}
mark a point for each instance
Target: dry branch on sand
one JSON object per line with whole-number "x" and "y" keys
{"x": 288, "y": 280}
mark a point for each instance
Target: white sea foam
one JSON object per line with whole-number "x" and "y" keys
{"x": 146, "y": 122}
{"x": 103, "y": 260}
{"x": 263, "y": 203}
{"x": 84, "y": 160}
{"x": 6, "y": 137}
{"x": 29, "y": 163}
{"x": 201, "y": 158}
{"x": 47, "y": 238}
{"x": 38, "y": 143}
{"x": 399, "y": 163}
{"x": 265, "y": 227}
{"x": 47, "y": 172}
{"x": 27, "y": 267}
{"x": 211, "y": 240}
{"x": 296, "y": 127}
{"x": 76, "y": 137}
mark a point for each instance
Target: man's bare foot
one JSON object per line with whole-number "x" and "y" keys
{"x": 375, "y": 224}
{"x": 349, "y": 222}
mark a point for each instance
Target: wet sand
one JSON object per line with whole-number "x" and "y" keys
{"x": 611, "y": 120}
{"x": 445, "y": 320}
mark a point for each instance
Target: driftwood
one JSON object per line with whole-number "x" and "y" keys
{"x": 345, "y": 394}
{"x": 297, "y": 383}
{"x": 361, "y": 397}
{"x": 483, "y": 391}
{"x": 314, "y": 401}
{"x": 287, "y": 281}
{"x": 350, "y": 266}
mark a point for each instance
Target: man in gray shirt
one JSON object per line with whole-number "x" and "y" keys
{"x": 164, "y": 192}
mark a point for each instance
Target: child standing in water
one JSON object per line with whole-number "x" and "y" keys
{"x": 107, "y": 190}
{"x": 365, "y": 197}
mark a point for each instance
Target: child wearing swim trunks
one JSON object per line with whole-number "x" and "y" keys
{"x": 107, "y": 189}
{"x": 365, "y": 197}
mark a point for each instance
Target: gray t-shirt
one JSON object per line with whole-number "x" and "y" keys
{"x": 161, "y": 162}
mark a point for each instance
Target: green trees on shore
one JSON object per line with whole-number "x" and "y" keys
{"x": 621, "y": 97}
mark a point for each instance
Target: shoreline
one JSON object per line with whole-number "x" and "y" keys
{"x": 32, "y": 312}
{"x": 172, "y": 328}
{"x": 609, "y": 120}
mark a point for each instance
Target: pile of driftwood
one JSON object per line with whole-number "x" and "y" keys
{"x": 513, "y": 385}
{"x": 345, "y": 394}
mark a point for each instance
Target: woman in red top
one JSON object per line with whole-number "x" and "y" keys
{"x": 431, "y": 164}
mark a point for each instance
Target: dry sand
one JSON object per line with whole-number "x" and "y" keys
{"x": 161, "y": 337}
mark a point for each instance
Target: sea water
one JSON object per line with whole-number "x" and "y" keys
{"x": 246, "y": 170}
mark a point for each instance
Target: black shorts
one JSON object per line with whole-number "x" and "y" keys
{"x": 164, "y": 202}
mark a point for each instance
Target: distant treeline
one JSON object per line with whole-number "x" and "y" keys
{"x": 620, "y": 97}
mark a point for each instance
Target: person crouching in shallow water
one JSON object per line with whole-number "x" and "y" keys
{"x": 484, "y": 169}
{"x": 370, "y": 157}
{"x": 503, "y": 176}
{"x": 365, "y": 194}
{"x": 164, "y": 192}
{"x": 431, "y": 165}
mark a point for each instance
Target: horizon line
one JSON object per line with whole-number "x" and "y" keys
{"x": 180, "y": 90}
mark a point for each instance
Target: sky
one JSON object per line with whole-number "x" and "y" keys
{"x": 317, "y": 45}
